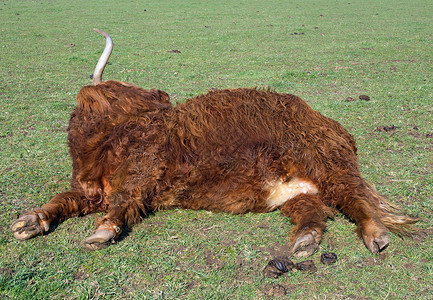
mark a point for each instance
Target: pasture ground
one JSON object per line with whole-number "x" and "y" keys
{"x": 324, "y": 51}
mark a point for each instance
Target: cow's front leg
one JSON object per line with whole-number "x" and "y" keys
{"x": 125, "y": 210}
{"x": 38, "y": 221}
{"x": 309, "y": 214}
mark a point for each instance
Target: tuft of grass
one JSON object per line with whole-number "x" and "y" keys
{"x": 323, "y": 51}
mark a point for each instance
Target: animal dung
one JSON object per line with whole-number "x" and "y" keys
{"x": 364, "y": 97}
{"x": 361, "y": 97}
{"x": 280, "y": 265}
{"x": 277, "y": 266}
{"x": 383, "y": 128}
{"x": 307, "y": 265}
{"x": 328, "y": 258}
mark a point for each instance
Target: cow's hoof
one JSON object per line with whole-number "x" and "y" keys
{"x": 377, "y": 243}
{"x": 305, "y": 245}
{"x": 29, "y": 226}
{"x": 101, "y": 239}
{"x": 375, "y": 236}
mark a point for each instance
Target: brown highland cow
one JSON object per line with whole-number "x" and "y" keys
{"x": 236, "y": 151}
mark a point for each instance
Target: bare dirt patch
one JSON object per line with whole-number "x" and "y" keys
{"x": 276, "y": 290}
{"x": 386, "y": 128}
{"x": 7, "y": 272}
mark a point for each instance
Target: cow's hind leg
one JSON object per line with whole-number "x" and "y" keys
{"x": 124, "y": 210}
{"x": 59, "y": 208}
{"x": 309, "y": 214}
{"x": 372, "y": 214}
{"x": 363, "y": 205}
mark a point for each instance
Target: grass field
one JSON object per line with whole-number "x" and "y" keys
{"x": 323, "y": 51}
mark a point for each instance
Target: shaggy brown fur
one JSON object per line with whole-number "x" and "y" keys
{"x": 236, "y": 151}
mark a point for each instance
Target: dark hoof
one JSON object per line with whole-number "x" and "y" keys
{"x": 101, "y": 239}
{"x": 276, "y": 267}
{"x": 29, "y": 226}
{"x": 328, "y": 258}
{"x": 307, "y": 265}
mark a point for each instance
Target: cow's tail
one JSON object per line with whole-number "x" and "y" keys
{"x": 102, "y": 62}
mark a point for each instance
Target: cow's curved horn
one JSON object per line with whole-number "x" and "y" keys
{"x": 97, "y": 74}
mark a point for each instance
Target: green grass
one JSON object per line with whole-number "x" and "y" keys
{"x": 342, "y": 48}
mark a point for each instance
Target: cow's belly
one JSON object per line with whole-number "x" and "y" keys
{"x": 241, "y": 199}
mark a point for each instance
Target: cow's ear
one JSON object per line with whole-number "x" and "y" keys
{"x": 163, "y": 97}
